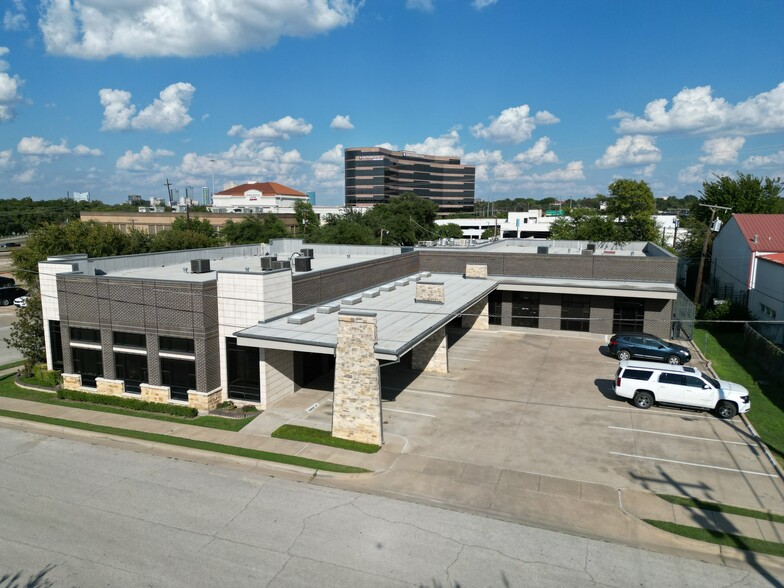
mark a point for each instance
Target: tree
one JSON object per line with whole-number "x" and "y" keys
{"x": 632, "y": 205}
{"x": 407, "y": 219}
{"x": 307, "y": 220}
{"x": 193, "y": 224}
{"x": 585, "y": 225}
{"x": 449, "y": 231}
{"x": 744, "y": 194}
{"x": 27, "y": 334}
{"x": 348, "y": 229}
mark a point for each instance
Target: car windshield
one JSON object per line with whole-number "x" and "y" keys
{"x": 713, "y": 381}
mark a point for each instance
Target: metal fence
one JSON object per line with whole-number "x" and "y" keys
{"x": 767, "y": 354}
{"x": 683, "y": 313}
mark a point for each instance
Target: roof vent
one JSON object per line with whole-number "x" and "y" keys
{"x": 266, "y": 262}
{"x": 300, "y": 318}
{"x": 200, "y": 266}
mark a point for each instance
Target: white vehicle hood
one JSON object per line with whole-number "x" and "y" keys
{"x": 733, "y": 388}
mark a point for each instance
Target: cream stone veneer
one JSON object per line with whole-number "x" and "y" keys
{"x": 476, "y": 271}
{"x": 432, "y": 292}
{"x": 160, "y": 394}
{"x": 356, "y": 407}
{"x": 204, "y": 401}
{"x": 109, "y": 387}
{"x": 431, "y": 354}
{"x": 477, "y": 316}
{"x": 72, "y": 381}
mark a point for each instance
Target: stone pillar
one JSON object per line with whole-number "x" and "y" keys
{"x": 109, "y": 387}
{"x": 160, "y": 394}
{"x": 476, "y": 271}
{"x": 477, "y": 316}
{"x": 430, "y": 292}
{"x": 356, "y": 407}
{"x": 72, "y": 381}
{"x": 431, "y": 354}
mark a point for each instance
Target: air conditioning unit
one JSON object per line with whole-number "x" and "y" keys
{"x": 267, "y": 261}
{"x": 282, "y": 264}
{"x": 307, "y": 253}
{"x": 200, "y": 266}
{"x": 587, "y": 252}
{"x": 591, "y": 246}
{"x": 543, "y": 249}
{"x": 302, "y": 264}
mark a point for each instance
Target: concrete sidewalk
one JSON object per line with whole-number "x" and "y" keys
{"x": 570, "y": 506}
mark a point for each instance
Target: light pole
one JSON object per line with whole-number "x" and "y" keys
{"x": 714, "y": 208}
{"x": 381, "y": 238}
{"x": 212, "y": 161}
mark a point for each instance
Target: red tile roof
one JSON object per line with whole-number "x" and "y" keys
{"x": 266, "y": 188}
{"x": 774, "y": 257}
{"x": 768, "y": 229}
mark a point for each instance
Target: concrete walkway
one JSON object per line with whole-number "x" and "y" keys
{"x": 571, "y": 506}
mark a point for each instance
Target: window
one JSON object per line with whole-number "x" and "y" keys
{"x": 177, "y": 345}
{"x": 179, "y": 375}
{"x": 88, "y": 363}
{"x": 628, "y": 315}
{"x": 676, "y": 379}
{"x": 575, "y": 312}
{"x": 525, "y": 309}
{"x": 133, "y": 369}
{"x": 243, "y": 371}
{"x": 130, "y": 340}
{"x": 494, "y": 307}
{"x": 83, "y": 335}
{"x": 694, "y": 382}
{"x": 643, "y": 375}
{"x": 56, "y": 343}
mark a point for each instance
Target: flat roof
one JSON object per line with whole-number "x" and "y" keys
{"x": 402, "y": 322}
{"x": 659, "y": 290}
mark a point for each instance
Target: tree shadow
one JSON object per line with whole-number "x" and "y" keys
{"x": 38, "y": 580}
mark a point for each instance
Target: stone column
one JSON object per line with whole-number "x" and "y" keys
{"x": 431, "y": 354}
{"x": 356, "y": 407}
{"x": 477, "y": 317}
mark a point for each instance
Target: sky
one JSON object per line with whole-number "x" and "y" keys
{"x": 546, "y": 97}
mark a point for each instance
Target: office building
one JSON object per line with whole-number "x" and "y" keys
{"x": 374, "y": 175}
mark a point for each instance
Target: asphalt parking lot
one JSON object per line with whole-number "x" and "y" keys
{"x": 543, "y": 404}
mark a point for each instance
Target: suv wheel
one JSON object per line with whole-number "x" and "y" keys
{"x": 673, "y": 360}
{"x": 623, "y": 354}
{"x": 643, "y": 399}
{"x": 5, "y": 302}
{"x": 726, "y": 409}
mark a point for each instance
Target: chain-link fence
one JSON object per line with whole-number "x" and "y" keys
{"x": 683, "y": 313}
{"x": 767, "y": 354}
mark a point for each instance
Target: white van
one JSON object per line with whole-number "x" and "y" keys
{"x": 646, "y": 383}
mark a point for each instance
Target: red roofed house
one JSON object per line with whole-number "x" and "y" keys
{"x": 747, "y": 266}
{"x": 256, "y": 197}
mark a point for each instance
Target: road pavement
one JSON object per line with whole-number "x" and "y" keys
{"x": 89, "y": 515}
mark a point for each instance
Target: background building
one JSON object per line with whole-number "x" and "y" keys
{"x": 255, "y": 197}
{"x": 374, "y": 175}
{"x": 81, "y": 196}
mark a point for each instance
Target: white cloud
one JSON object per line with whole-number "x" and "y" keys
{"x": 423, "y": 5}
{"x": 96, "y": 29}
{"x": 40, "y": 147}
{"x": 513, "y": 125}
{"x": 483, "y": 160}
{"x": 6, "y": 159}
{"x": 765, "y": 160}
{"x": 645, "y": 172}
{"x": 144, "y": 160}
{"x": 334, "y": 155}
{"x": 446, "y": 145}
{"x": 28, "y": 176}
{"x": 480, "y": 4}
{"x": 538, "y": 154}
{"x": 282, "y": 128}
{"x": 692, "y": 174}
{"x": 572, "y": 172}
{"x": 722, "y": 150}
{"x": 341, "y": 122}
{"x": 328, "y": 170}
{"x": 14, "y": 18}
{"x": 9, "y": 89}
{"x": 695, "y": 110}
{"x": 389, "y": 146}
{"x": 630, "y": 150}
{"x": 167, "y": 113}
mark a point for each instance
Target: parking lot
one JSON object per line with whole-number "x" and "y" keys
{"x": 542, "y": 403}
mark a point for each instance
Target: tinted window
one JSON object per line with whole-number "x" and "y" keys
{"x": 637, "y": 374}
{"x": 85, "y": 335}
{"x": 88, "y": 363}
{"x": 678, "y": 379}
{"x": 694, "y": 382}
{"x": 179, "y": 375}
{"x": 177, "y": 344}
{"x": 132, "y": 369}
{"x": 130, "y": 340}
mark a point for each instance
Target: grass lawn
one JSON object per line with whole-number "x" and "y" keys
{"x": 725, "y": 351}
{"x": 723, "y": 508}
{"x": 719, "y": 538}
{"x": 13, "y": 364}
{"x": 182, "y": 442}
{"x": 309, "y": 435}
{"x": 9, "y": 389}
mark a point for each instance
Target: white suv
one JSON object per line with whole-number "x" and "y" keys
{"x": 647, "y": 383}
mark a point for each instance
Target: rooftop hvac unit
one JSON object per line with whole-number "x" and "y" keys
{"x": 307, "y": 253}
{"x": 543, "y": 249}
{"x": 200, "y": 266}
{"x": 587, "y": 251}
{"x": 267, "y": 261}
{"x": 302, "y": 264}
{"x": 282, "y": 264}
{"x": 591, "y": 246}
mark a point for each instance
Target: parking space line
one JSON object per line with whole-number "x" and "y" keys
{"x": 696, "y": 465}
{"x": 432, "y": 416}
{"x": 662, "y": 412}
{"x": 682, "y": 436}
{"x": 461, "y": 348}
{"x": 417, "y": 391}
{"x": 464, "y": 359}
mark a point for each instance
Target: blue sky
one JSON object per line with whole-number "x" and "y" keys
{"x": 547, "y": 98}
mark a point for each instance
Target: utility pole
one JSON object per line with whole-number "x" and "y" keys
{"x": 168, "y": 190}
{"x": 714, "y": 209}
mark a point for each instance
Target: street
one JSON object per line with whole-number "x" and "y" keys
{"x": 88, "y": 515}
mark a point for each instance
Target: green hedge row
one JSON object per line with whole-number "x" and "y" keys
{"x": 131, "y": 403}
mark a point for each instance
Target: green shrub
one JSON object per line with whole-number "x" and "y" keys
{"x": 46, "y": 377}
{"x": 249, "y": 408}
{"x": 226, "y": 405}
{"x": 131, "y": 403}
{"x": 726, "y": 311}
